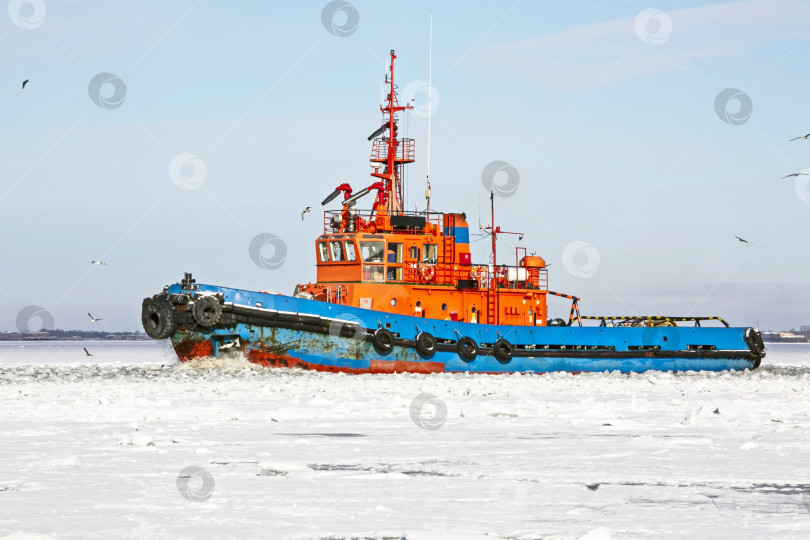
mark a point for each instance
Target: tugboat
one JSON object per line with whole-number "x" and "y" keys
{"x": 397, "y": 291}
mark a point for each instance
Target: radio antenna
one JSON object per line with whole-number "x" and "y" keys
{"x": 430, "y": 91}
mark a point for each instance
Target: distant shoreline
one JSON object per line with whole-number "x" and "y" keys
{"x": 74, "y": 335}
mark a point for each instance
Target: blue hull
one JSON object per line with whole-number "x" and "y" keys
{"x": 283, "y": 331}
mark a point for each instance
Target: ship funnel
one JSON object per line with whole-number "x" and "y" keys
{"x": 380, "y": 131}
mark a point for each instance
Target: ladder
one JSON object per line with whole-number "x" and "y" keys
{"x": 449, "y": 260}
{"x": 492, "y": 305}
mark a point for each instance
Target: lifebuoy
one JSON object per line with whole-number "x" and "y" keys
{"x": 467, "y": 348}
{"x": 207, "y": 311}
{"x": 157, "y": 317}
{"x": 383, "y": 341}
{"x": 502, "y": 350}
{"x": 428, "y": 273}
{"x": 425, "y": 345}
{"x": 479, "y": 274}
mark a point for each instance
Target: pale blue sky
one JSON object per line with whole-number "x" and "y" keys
{"x": 616, "y": 140}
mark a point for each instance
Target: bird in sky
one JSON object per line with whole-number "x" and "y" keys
{"x": 802, "y": 137}
{"x": 796, "y": 174}
{"x": 24, "y": 83}
{"x": 741, "y": 239}
{"x": 307, "y": 209}
{"x": 592, "y": 487}
{"x": 100, "y": 263}
{"x": 86, "y": 352}
{"x": 93, "y": 318}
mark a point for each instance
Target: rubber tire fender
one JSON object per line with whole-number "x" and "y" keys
{"x": 207, "y": 311}
{"x": 557, "y": 322}
{"x": 383, "y": 341}
{"x": 158, "y": 318}
{"x": 467, "y": 348}
{"x": 502, "y": 350}
{"x": 425, "y": 344}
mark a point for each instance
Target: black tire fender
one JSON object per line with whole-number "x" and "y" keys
{"x": 158, "y": 318}
{"x": 207, "y": 311}
{"x": 425, "y": 345}
{"x": 467, "y": 348}
{"x": 502, "y": 350}
{"x": 383, "y": 341}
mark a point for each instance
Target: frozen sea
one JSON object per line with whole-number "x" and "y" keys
{"x": 130, "y": 443}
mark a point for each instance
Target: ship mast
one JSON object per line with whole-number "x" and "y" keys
{"x": 397, "y": 151}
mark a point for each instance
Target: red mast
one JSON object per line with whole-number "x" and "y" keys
{"x": 391, "y": 150}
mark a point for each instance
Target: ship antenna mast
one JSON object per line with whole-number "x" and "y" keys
{"x": 390, "y": 151}
{"x": 430, "y": 92}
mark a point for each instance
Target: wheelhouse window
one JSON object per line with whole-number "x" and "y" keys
{"x": 414, "y": 252}
{"x": 394, "y": 259}
{"x": 394, "y": 273}
{"x": 431, "y": 254}
{"x": 323, "y": 251}
{"x": 350, "y": 255}
{"x": 373, "y": 272}
{"x": 371, "y": 251}
{"x": 337, "y": 252}
{"x": 394, "y": 252}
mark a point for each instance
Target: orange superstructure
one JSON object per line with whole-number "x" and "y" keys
{"x": 417, "y": 263}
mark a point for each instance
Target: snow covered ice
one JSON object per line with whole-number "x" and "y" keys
{"x": 97, "y": 449}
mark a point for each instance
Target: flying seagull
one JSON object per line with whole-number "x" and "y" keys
{"x": 24, "y": 83}
{"x": 100, "y": 263}
{"x": 802, "y": 137}
{"x": 86, "y": 352}
{"x": 741, "y": 239}
{"x": 592, "y": 487}
{"x": 796, "y": 174}
{"x": 93, "y": 318}
{"x": 307, "y": 209}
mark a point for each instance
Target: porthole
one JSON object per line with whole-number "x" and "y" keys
{"x": 444, "y": 307}
{"x": 393, "y": 302}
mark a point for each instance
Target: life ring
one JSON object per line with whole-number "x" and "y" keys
{"x": 467, "y": 348}
{"x": 158, "y": 319}
{"x": 428, "y": 272}
{"x": 502, "y": 350}
{"x": 425, "y": 345}
{"x": 207, "y": 311}
{"x": 383, "y": 341}
{"x": 479, "y": 274}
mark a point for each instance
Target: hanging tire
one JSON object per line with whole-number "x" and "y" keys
{"x": 425, "y": 345}
{"x": 207, "y": 311}
{"x": 158, "y": 318}
{"x": 383, "y": 341}
{"x": 502, "y": 350}
{"x": 557, "y": 322}
{"x": 467, "y": 349}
